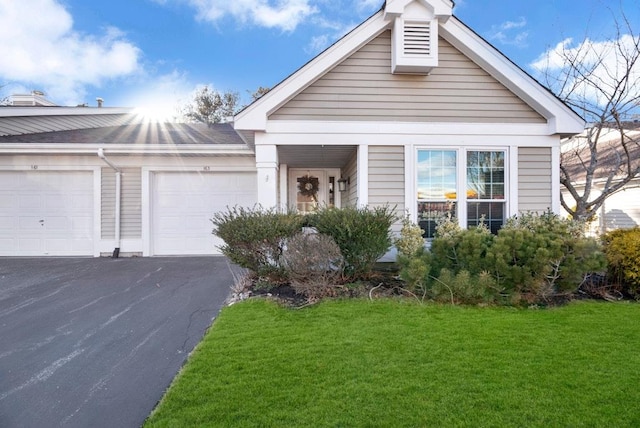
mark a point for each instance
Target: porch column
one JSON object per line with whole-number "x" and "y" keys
{"x": 363, "y": 175}
{"x": 267, "y": 166}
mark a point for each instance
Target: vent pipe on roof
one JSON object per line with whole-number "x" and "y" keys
{"x": 101, "y": 155}
{"x": 100, "y": 102}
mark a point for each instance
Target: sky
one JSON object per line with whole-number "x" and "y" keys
{"x": 155, "y": 53}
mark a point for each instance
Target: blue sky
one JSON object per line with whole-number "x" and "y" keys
{"x": 137, "y": 53}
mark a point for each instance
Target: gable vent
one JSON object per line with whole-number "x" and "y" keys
{"x": 417, "y": 38}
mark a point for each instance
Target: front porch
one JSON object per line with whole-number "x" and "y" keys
{"x": 303, "y": 177}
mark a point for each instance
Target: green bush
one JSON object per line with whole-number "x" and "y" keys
{"x": 622, "y": 249}
{"x": 414, "y": 271}
{"x": 363, "y": 235}
{"x": 539, "y": 256}
{"x": 255, "y": 238}
{"x": 413, "y": 260}
{"x": 458, "y": 249}
{"x": 464, "y": 287}
{"x": 410, "y": 241}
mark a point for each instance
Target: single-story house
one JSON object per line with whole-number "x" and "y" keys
{"x": 621, "y": 210}
{"x": 411, "y": 109}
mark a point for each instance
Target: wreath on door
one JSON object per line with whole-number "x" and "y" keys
{"x": 308, "y": 186}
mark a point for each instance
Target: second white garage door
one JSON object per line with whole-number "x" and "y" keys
{"x": 183, "y": 204}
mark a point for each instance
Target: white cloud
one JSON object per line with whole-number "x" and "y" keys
{"x": 507, "y": 34}
{"x": 41, "y": 48}
{"x": 283, "y": 14}
{"x": 368, "y": 5}
{"x": 605, "y": 60}
{"x": 336, "y": 30}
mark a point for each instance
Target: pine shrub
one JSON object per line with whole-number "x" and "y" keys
{"x": 458, "y": 249}
{"x": 539, "y": 256}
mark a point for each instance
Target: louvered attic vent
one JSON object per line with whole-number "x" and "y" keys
{"x": 415, "y": 46}
{"x": 417, "y": 38}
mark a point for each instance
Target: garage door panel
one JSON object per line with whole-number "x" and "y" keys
{"x": 50, "y": 213}
{"x": 29, "y": 202}
{"x": 8, "y": 223}
{"x": 183, "y": 204}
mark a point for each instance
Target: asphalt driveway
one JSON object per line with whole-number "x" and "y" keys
{"x": 95, "y": 342}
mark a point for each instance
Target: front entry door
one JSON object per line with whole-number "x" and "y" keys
{"x": 311, "y": 188}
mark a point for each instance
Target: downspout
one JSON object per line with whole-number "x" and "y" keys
{"x": 116, "y": 251}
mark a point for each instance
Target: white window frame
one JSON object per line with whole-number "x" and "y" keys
{"x": 461, "y": 179}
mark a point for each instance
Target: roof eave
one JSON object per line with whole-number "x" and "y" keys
{"x": 126, "y": 149}
{"x": 61, "y": 111}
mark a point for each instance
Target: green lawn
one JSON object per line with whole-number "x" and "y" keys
{"x": 387, "y": 363}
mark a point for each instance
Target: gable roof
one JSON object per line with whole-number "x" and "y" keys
{"x": 561, "y": 119}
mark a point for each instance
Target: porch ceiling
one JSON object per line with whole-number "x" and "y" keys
{"x": 315, "y": 156}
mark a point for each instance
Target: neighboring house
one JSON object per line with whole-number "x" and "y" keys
{"x": 410, "y": 109}
{"x": 621, "y": 210}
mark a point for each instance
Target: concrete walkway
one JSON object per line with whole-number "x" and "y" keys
{"x": 95, "y": 342}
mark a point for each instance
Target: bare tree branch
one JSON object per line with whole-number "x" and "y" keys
{"x": 600, "y": 80}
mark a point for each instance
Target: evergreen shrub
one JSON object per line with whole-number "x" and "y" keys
{"x": 536, "y": 256}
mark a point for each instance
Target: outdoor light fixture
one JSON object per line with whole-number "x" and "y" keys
{"x": 342, "y": 183}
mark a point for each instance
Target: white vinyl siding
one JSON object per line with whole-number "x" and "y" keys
{"x": 386, "y": 179}
{"x": 534, "y": 179}
{"x": 130, "y": 203}
{"x": 362, "y": 88}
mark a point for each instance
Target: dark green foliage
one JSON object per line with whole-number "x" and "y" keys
{"x": 255, "y": 238}
{"x": 363, "y": 235}
{"x": 460, "y": 249}
{"x": 538, "y": 256}
{"x": 622, "y": 248}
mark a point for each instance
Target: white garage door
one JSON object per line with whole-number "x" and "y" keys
{"x": 183, "y": 204}
{"x": 46, "y": 213}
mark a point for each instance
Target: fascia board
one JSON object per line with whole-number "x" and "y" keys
{"x": 255, "y": 116}
{"x": 61, "y": 111}
{"x": 325, "y": 128}
{"x": 562, "y": 120}
{"x": 67, "y": 149}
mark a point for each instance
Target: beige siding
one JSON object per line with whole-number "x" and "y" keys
{"x": 131, "y": 203}
{"x": 534, "y": 179}
{"x": 386, "y": 178}
{"x": 350, "y": 171}
{"x": 363, "y": 88}
{"x": 36, "y": 124}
